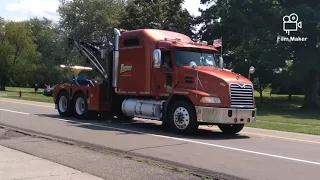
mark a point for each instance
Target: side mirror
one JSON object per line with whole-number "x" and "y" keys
{"x": 221, "y": 62}
{"x": 252, "y": 70}
{"x": 157, "y": 58}
{"x": 193, "y": 65}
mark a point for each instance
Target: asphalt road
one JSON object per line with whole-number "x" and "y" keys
{"x": 254, "y": 154}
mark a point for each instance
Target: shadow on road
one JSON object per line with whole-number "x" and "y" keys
{"x": 141, "y": 127}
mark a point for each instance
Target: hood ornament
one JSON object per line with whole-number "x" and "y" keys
{"x": 238, "y": 77}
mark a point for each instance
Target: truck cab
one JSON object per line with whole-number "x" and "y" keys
{"x": 164, "y": 75}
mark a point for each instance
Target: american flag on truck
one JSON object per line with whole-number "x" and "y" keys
{"x": 217, "y": 42}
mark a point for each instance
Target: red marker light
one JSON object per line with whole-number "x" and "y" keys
{"x": 235, "y": 120}
{"x": 248, "y": 120}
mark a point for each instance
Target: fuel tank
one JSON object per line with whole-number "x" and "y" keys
{"x": 142, "y": 108}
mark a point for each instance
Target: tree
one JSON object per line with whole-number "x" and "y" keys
{"x": 157, "y": 15}
{"x": 4, "y": 62}
{"x": 242, "y": 22}
{"x": 51, "y": 44}
{"x": 249, "y": 30}
{"x": 307, "y": 53}
{"x": 18, "y": 54}
{"x": 90, "y": 20}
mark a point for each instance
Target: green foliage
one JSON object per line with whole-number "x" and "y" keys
{"x": 90, "y": 19}
{"x": 250, "y": 30}
{"x": 161, "y": 14}
{"x": 52, "y": 48}
{"x": 17, "y": 53}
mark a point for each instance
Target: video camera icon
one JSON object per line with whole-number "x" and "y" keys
{"x": 290, "y": 23}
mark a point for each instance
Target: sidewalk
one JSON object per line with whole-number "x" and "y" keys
{"x": 17, "y": 165}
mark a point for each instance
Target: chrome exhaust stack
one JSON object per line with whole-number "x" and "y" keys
{"x": 115, "y": 69}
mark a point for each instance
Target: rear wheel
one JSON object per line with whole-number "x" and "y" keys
{"x": 182, "y": 118}
{"x": 81, "y": 106}
{"x": 231, "y": 128}
{"x": 64, "y": 104}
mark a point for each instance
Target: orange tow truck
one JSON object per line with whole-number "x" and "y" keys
{"x": 159, "y": 75}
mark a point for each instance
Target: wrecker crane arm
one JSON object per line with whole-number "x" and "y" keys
{"x": 95, "y": 53}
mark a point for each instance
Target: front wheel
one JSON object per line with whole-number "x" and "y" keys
{"x": 182, "y": 118}
{"x": 231, "y": 128}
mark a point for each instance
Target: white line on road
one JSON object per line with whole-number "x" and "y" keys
{"x": 180, "y": 139}
{"x": 196, "y": 142}
{"x": 14, "y": 111}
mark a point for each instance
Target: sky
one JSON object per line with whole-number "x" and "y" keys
{"x": 18, "y": 10}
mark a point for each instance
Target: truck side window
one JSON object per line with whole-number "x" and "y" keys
{"x": 166, "y": 60}
{"x": 133, "y": 42}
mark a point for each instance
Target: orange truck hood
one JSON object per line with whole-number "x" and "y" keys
{"x": 229, "y": 77}
{"x": 213, "y": 81}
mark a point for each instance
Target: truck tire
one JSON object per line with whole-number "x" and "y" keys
{"x": 231, "y": 128}
{"x": 182, "y": 118}
{"x": 64, "y": 104}
{"x": 81, "y": 106}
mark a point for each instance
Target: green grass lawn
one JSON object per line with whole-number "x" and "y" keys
{"x": 276, "y": 113}
{"x": 27, "y": 94}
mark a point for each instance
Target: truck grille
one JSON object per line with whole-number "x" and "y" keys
{"x": 241, "y": 96}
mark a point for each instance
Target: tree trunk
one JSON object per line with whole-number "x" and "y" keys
{"x": 311, "y": 60}
{"x": 310, "y": 98}
{"x": 261, "y": 97}
{"x": 261, "y": 93}
{"x": 2, "y": 84}
{"x": 290, "y": 93}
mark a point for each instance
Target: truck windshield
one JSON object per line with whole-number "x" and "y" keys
{"x": 183, "y": 57}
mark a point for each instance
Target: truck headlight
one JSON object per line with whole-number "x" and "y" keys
{"x": 210, "y": 100}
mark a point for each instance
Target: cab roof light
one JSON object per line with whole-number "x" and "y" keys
{"x": 177, "y": 39}
{"x": 205, "y": 43}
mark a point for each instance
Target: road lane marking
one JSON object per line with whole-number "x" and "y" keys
{"x": 14, "y": 111}
{"x": 181, "y": 139}
{"x": 275, "y": 137}
{"x": 195, "y": 142}
{"x": 30, "y": 104}
{"x": 280, "y": 137}
{"x": 241, "y": 133}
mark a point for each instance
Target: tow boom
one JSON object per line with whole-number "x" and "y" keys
{"x": 94, "y": 54}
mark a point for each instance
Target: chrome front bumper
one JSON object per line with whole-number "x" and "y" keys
{"x": 225, "y": 115}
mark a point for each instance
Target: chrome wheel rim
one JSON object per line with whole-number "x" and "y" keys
{"x": 80, "y": 106}
{"x": 181, "y": 118}
{"x": 63, "y": 104}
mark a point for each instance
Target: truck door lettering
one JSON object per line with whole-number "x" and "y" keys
{"x": 125, "y": 69}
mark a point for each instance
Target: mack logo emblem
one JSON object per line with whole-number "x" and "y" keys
{"x": 238, "y": 77}
{"x": 242, "y": 85}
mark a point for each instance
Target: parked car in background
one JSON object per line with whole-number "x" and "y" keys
{"x": 48, "y": 91}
